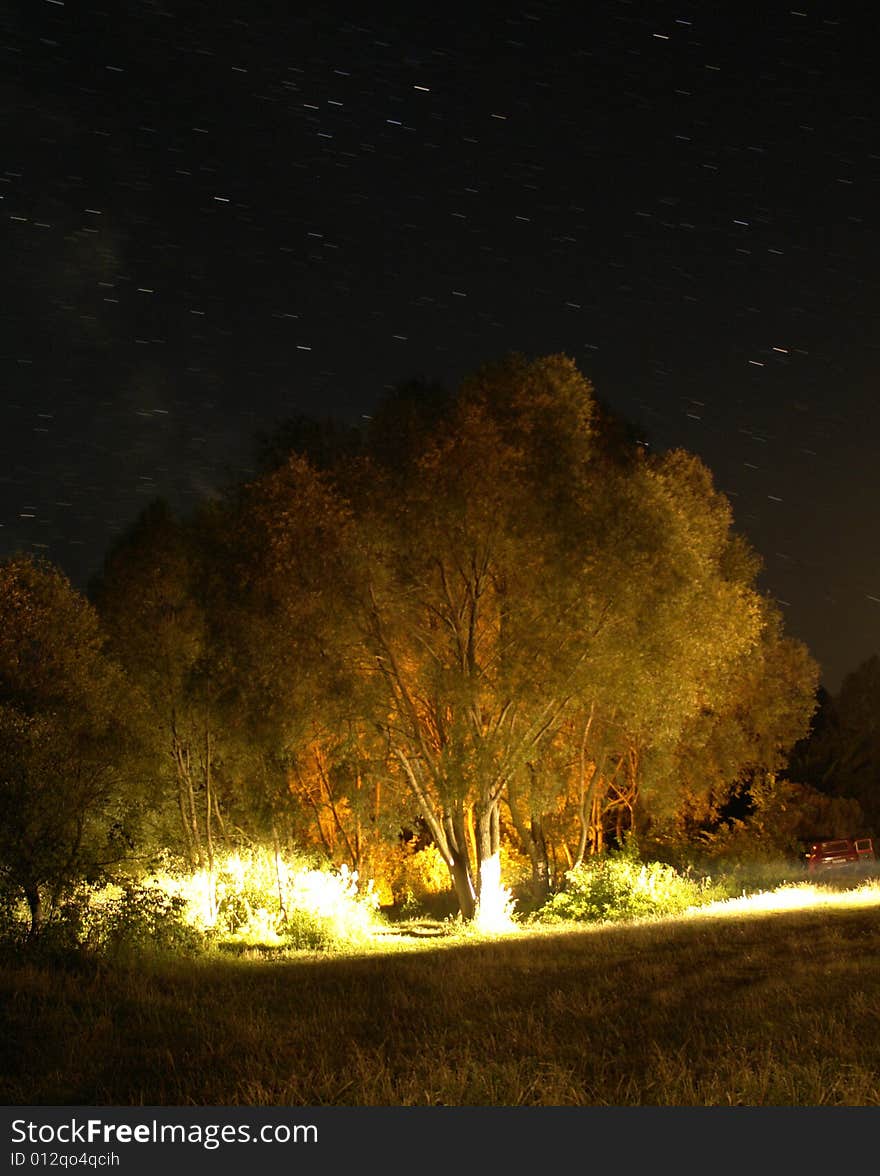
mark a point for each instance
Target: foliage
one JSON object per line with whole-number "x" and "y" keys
{"x": 303, "y": 930}
{"x": 491, "y": 611}
{"x": 152, "y": 598}
{"x": 135, "y": 920}
{"x": 783, "y": 817}
{"x": 841, "y": 755}
{"x": 252, "y": 899}
{"x": 420, "y": 876}
{"x": 543, "y": 608}
{"x": 13, "y": 919}
{"x": 618, "y": 886}
{"x": 257, "y": 897}
{"x": 122, "y": 922}
{"x": 515, "y": 867}
{"x": 739, "y": 740}
{"x": 335, "y": 898}
{"x": 68, "y": 801}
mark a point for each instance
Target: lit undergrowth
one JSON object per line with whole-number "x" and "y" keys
{"x": 252, "y": 899}
{"x": 620, "y": 886}
{"x": 743, "y": 1007}
{"x": 796, "y": 896}
{"x": 259, "y": 898}
{"x": 257, "y": 903}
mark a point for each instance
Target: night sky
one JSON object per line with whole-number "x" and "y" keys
{"x": 216, "y": 216}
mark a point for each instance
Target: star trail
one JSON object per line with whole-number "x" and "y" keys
{"x": 219, "y": 216}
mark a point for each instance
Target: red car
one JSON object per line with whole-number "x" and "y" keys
{"x": 839, "y": 854}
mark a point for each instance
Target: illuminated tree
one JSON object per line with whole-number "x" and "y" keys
{"x": 292, "y": 684}
{"x": 687, "y": 623}
{"x": 739, "y": 741}
{"x": 151, "y": 599}
{"x": 685, "y": 639}
{"x": 495, "y": 597}
{"x": 66, "y": 803}
{"x": 471, "y": 612}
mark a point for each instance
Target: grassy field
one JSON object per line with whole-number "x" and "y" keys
{"x": 738, "y": 1006}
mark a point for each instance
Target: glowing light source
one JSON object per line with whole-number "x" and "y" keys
{"x": 251, "y": 897}
{"x": 495, "y": 909}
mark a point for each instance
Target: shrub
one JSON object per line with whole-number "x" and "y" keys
{"x": 106, "y": 920}
{"x": 13, "y": 918}
{"x": 305, "y": 931}
{"x": 134, "y": 920}
{"x": 420, "y": 879}
{"x": 333, "y": 900}
{"x": 251, "y": 899}
{"x": 254, "y": 898}
{"x": 619, "y": 886}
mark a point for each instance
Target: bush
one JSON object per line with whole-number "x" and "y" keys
{"x": 113, "y": 921}
{"x": 620, "y": 886}
{"x": 257, "y": 899}
{"x": 13, "y": 918}
{"x": 305, "y": 931}
{"x": 332, "y": 900}
{"x": 420, "y": 883}
{"x": 252, "y": 899}
{"x": 134, "y": 920}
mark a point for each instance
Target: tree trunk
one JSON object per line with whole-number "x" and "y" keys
{"x": 459, "y": 871}
{"x": 35, "y": 906}
{"x": 597, "y": 829}
{"x": 278, "y": 880}
{"x": 187, "y": 802}
{"x": 458, "y": 862}
{"x": 538, "y": 856}
{"x": 488, "y": 833}
{"x": 587, "y": 807}
{"x": 532, "y": 839}
{"x": 184, "y": 824}
{"x": 535, "y": 844}
{"x": 209, "y": 833}
{"x": 493, "y": 911}
{"x": 450, "y": 836}
{"x": 323, "y": 777}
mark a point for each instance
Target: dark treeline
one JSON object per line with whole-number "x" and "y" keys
{"x": 491, "y": 621}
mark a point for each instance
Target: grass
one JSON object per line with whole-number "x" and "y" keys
{"x": 736, "y": 1005}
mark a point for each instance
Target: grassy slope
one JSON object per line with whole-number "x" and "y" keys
{"x": 768, "y": 1009}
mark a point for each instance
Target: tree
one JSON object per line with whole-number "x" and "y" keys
{"x": 841, "y": 756}
{"x": 543, "y": 609}
{"x": 497, "y": 599}
{"x": 323, "y": 443}
{"x": 685, "y": 641}
{"x": 64, "y": 811}
{"x": 290, "y": 674}
{"x": 150, "y": 598}
{"x": 467, "y": 605}
{"x": 736, "y": 749}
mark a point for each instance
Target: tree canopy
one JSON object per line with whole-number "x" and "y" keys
{"x": 520, "y": 586}
{"x": 66, "y": 727}
{"x": 490, "y": 615}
